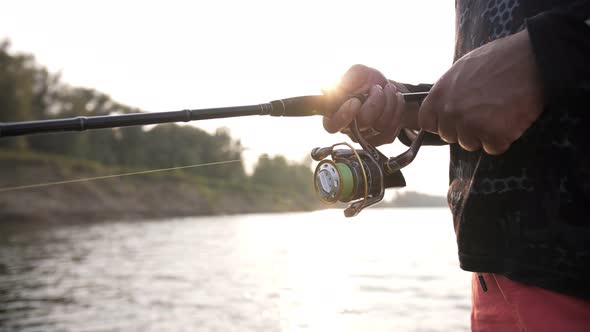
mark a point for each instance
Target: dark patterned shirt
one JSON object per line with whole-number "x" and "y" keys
{"x": 526, "y": 213}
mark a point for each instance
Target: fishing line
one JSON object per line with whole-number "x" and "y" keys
{"x": 55, "y": 183}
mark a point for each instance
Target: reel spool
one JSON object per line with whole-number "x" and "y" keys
{"x": 352, "y": 175}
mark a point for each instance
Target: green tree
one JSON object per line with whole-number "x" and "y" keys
{"x": 277, "y": 172}
{"x": 17, "y": 81}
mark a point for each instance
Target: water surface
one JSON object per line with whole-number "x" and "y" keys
{"x": 385, "y": 270}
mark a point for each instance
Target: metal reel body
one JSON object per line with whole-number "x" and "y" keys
{"x": 352, "y": 175}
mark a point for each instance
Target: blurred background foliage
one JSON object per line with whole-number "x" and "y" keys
{"x": 29, "y": 92}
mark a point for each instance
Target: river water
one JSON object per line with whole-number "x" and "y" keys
{"x": 385, "y": 270}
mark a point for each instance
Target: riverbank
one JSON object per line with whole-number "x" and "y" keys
{"x": 155, "y": 195}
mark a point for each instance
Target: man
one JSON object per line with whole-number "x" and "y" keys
{"x": 515, "y": 109}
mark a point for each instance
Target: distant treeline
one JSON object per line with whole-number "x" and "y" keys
{"x": 415, "y": 199}
{"x": 28, "y": 91}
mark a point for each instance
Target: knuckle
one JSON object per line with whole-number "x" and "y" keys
{"x": 496, "y": 143}
{"x": 495, "y": 149}
{"x": 470, "y": 148}
{"x": 389, "y": 89}
{"x": 393, "y": 87}
{"x": 356, "y": 70}
{"x": 357, "y": 67}
{"x": 489, "y": 149}
{"x": 448, "y": 137}
{"x": 469, "y": 143}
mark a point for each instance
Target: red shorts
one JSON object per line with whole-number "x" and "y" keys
{"x": 512, "y": 306}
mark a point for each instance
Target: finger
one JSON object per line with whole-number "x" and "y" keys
{"x": 354, "y": 78}
{"x": 391, "y": 119}
{"x": 398, "y": 113}
{"x": 496, "y": 147}
{"x": 395, "y": 107}
{"x": 372, "y": 78}
{"x": 359, "y": 79}
{"x": 447, "y": 125}
{"x": 383, "y": 122}
{"x": 343, "y": 117}
{"x": 467, "y": 140}
{"x": 490, "y": 130}
{"x": 372, "y": 108}
{"x": 494, "y": 139}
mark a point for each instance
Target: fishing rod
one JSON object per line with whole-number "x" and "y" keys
{"x": 352, "y": 175}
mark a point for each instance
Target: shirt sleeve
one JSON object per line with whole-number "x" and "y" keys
{"x": 560, "y": 39}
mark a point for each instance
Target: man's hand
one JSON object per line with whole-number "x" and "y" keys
{"x": 383, "y": 111}
{"x": 488, "y": 98}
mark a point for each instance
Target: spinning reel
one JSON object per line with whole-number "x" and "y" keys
{"x": 361, "y": 176}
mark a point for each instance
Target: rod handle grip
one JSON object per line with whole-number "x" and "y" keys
{"x": 321, "y": 104}
{"x": 304, "y": 106}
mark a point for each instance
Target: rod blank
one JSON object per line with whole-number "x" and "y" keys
{"x": 124, "y": 120}
{"x": 296, "y": 106}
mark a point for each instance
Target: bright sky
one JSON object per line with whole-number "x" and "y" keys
{"x": 171, "y": 55}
